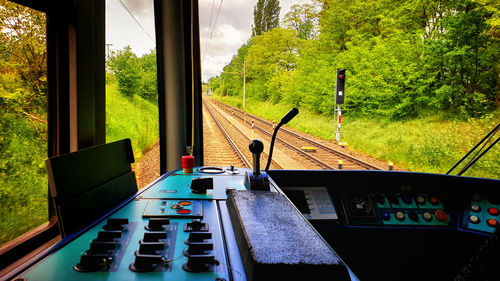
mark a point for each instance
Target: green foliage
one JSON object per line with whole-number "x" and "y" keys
{"x": 23, "y": 125}
{"x": 135, "y": 118}
{"x": 303, "y": 19}
{"x": 403, "y": 59}
{"x": 135, "y": 75}
{"x": 431, "y": 144}
{"x": 23, "y": 180}
{"x": 125, "y": 66}
{"x": 24, "y": 49}
{"x": 149, "y": 86}
{"x": 265, "y": 16}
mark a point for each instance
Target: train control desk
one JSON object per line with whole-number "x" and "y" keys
{"x": 311, "y": 225}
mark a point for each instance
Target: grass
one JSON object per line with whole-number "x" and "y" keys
{"x": 23, "y": 150}
{"x": 23, "y": 180}
{"x": 134, "y": 118}
{"x": 430, "y": 144}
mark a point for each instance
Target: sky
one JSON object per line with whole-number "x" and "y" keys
{"x": 224, "y": 27}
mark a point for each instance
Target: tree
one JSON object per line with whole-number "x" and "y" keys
{"x": 272, "y": 54}
{"x": 302, "y": 18}
{"x": 149, "y": 86}
{"x": 125, "y": 65}
{"x": 265, "y": 16}
{"x": 23, "y": 56}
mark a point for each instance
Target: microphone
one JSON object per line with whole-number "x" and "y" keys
{"x": 289, "y": 116}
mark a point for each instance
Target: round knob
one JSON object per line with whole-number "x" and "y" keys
{"x": 400, "y": 215}
{"x": 427, "y": 216}
{"x": 256, "y": 146}
{"x": 474, "y": 219}
{"x": 475, "y": 208}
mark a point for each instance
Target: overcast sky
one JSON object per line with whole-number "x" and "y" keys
{"x": 221, "y": 35}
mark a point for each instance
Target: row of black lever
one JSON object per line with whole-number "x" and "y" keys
{"x": 148, "y": 257}
{"x": 99, "y": 255}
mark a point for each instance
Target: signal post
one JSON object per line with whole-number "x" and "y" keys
{"x": 339, "y": 99}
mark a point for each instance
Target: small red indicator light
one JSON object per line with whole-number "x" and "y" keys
{"x": 341, "y": 76}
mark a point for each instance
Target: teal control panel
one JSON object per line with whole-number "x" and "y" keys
{"x": 177, "y": 248}
{"x": 168, "y": 232}
{"x": 396, "y": 209}
{"x": 178, "y": 185}
{"x": 421, "y": 209}
{"x": 483, "y": 213}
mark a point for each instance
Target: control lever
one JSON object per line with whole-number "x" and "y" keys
{"x": 93, "y": 262}
{"x": 289, "y": 116}
{"x": 256, "y": 147}
{"x": 145, "y": 263}
{"x": 199, "y": 263}
{"x": 256, "y": 179}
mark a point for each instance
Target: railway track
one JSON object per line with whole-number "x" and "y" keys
{"x": 323, "y": 156}
{"x": 217, "y": 151}
{"x": 239, "y": 139}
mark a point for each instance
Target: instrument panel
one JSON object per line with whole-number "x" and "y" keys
{"x": 180, "y": 227}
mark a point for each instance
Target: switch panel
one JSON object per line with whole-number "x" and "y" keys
{"x": 314, "y": 203}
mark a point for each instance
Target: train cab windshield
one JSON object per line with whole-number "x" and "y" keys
{"x": 249, "y": 140}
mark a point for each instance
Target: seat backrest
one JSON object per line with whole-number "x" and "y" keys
{"x": 88, "y": 183}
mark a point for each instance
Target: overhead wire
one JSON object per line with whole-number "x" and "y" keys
{"x": 213, "y": 29}
{"x": 209, "y": 27}
{"x": 135, "y": 19}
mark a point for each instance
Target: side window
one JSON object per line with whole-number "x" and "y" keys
{"x": 23, "y": 120}
{"x": 131, "y": 86}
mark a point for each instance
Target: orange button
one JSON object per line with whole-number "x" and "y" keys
{"x": 493, "y": 211}
{"x": 185, "y": 203}
{"x": 433, "y": 200}
{"x": 441, "y": 215}
{"x": 492, "y": 222}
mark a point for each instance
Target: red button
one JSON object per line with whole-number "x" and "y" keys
{"x": 492, "y": 222}
{"x": 493, "y": 211}
{"x": 433, "y": 200}
{"x": 441, "y": 215}
{"x": 187, "y": 163}
{"x": 184, "y": 211}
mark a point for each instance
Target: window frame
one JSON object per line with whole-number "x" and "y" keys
{"x": 76, "y": 111}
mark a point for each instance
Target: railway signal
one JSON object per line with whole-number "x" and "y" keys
{"x": 339, "y": 99}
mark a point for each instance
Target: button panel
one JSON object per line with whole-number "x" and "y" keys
{"x": 407, "y": 208}
{"x": 483, "y": 214}
{"x": 142, "y": 250}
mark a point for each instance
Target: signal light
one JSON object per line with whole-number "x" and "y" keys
{"x": 340, "y": 84}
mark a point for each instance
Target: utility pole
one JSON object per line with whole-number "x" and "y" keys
{"x": 221, "y": 87}
{"x": 244, "y": 82}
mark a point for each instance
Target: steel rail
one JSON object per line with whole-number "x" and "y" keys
{"x": 313, "y": 142}
{"x": 300, "y": 151}
{"x": 229, "y": 139}
{"x": 276, "y": 165}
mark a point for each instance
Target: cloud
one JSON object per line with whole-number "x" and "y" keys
{"x": 122, "y": 30}
{"x": 220, "y": 35}
{"x": 233, "y": 29}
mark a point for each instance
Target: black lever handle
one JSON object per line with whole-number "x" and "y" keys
{"x": 256, "y": 147}
{"x": 289, "y": 116}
